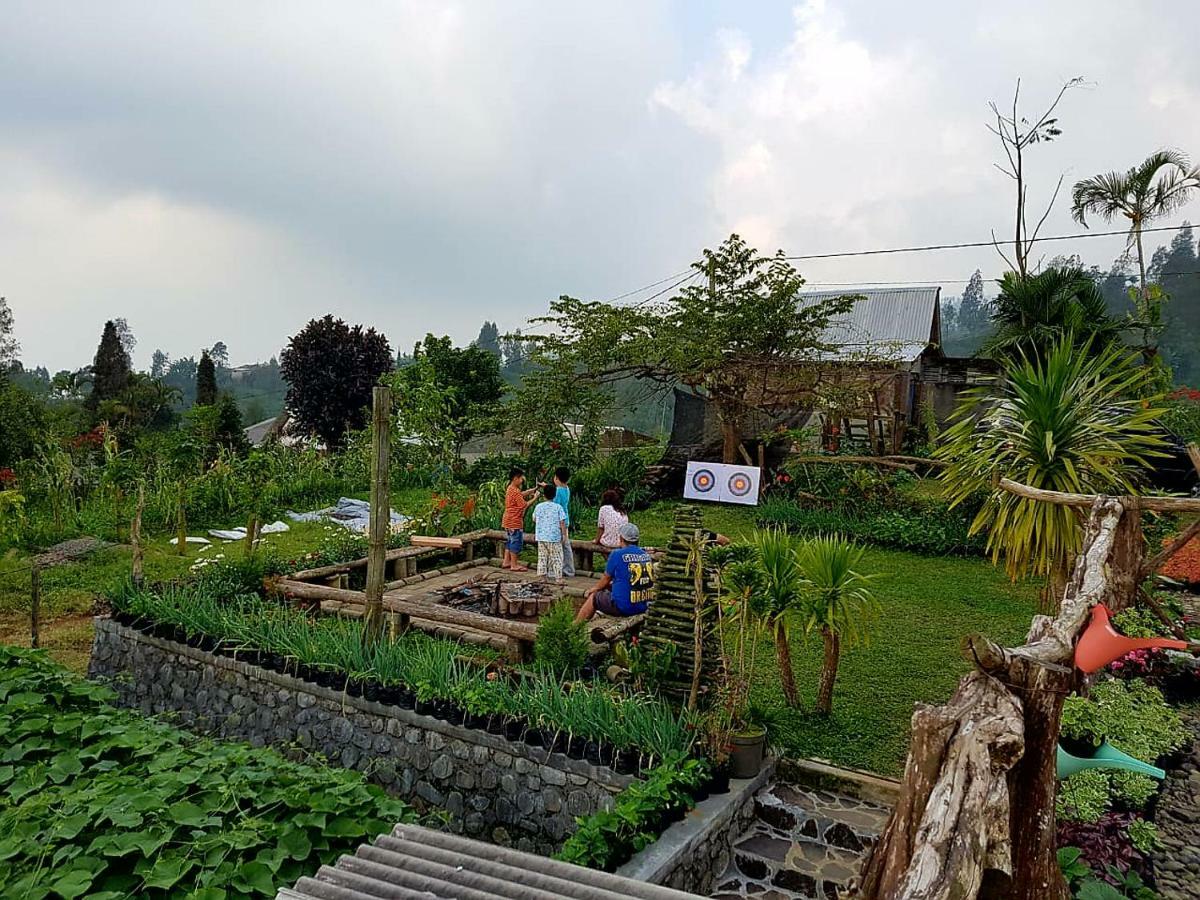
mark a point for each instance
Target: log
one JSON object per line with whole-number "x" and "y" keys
{"x": 1083, "y": 501}
{"x": 351, "y": 565}
{"x": 976, "y": 814}
{"x": 525, "y": 631}
{"x": 886, "y": 462}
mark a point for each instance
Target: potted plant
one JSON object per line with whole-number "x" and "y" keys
{"x": 733, "y": 729}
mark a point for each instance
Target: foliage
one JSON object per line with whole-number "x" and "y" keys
{"x": 8, "y": 344}
{"x": 720, "y": 336}
{"x": 1181, "y": 414}
{"x": 624, "y": 470}
{"x": 1134, "y": 718}
{"x": 1034, "y": 312}
{"x": 781, "y": 598}
{"x": 606, "y": 839}
{"x": 468, "y": 377}
{"x": 110, "y": 369}
{"x": 1070, "y": 421}
{"x": 562, "y": 644}
{"x": 839, "y": 602}
{"x": 206, "y": 381}
{"x": 330, "y": 369}
{"x": 102, "y": 803}
{"x": 22, "y": 423}
{"x": 428, "y": 666}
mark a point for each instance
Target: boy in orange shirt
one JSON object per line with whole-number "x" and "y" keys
{"x": 516, "y": 502}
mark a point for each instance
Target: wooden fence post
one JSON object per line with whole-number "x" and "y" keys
{"x": 381, "y": 517}
{"x": 135, "y": 537}
{"x": 35, "y": 604}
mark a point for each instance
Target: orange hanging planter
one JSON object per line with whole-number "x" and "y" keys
{"x": 1100, "y": 643}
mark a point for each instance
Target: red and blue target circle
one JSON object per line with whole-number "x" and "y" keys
{"x": 739, "y": 484}
{"x": 703, "y": 480}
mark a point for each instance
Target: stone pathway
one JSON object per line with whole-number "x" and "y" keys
{"x": 803, "y": 845}
{"x": 1177, "y": 865}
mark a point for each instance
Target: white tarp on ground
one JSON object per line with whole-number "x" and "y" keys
{"x": 239, "y": 533}
{"x": 192, "y": 540}
{"x": 348, "y": 512}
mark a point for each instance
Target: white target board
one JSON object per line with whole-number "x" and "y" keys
{"x": 722, "y": 483}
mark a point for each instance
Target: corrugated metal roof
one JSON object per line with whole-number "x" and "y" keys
{"x": 894, "y": 324}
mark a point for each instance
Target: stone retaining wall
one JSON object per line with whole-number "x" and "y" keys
{"x": 493, "y": 789}
{"x": 692, "y": 854}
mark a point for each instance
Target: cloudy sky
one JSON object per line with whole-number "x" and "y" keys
{"x": 226, "y": 171}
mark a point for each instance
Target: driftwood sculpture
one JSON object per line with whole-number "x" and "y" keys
{"x": 976, "y": 816}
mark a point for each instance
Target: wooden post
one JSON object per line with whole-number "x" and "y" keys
{"x": 35, "y": 604}
{"x": 180, "y": 525}
{"x": 381, "y": 517}
{"x": 135, "y": 537}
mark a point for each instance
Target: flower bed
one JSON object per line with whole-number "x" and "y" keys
{"x": 102, "y": 803}
{"x": 585, "y": 720}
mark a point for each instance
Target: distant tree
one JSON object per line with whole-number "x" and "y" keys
{"x": 220, "y": 354}
{"x": 110, "y": 369}
{"x": 206, "y": 381}
{"x": 22, "y": 423}
{"x": 159, "y": 362}
{"x": 973, "y": 308}
{"x": 1159, "y": 185}
{"x": 181, "y": 375}
{"x": 330, "y": 369}
{"x": 9, "y": 348}
{"x": 230, "y": 432}
{"x": 1173, "y": 267}
{"x": 469, "y": 376}
{"x": 126, "y": 336}
{"x": 515, "y": 357}
{"x": 1035, "y": 312}
{"x": 489, "y": 338}
{"x": 949, "y": 315}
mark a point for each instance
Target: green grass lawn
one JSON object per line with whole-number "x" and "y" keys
{"x": 929, "y": 603}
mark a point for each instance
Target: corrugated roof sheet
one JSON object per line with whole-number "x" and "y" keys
{"x": 894, "y": 324}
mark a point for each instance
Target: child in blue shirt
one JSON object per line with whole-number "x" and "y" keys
{"x": 550, "y": 530}
{"x": 562, "y": 496}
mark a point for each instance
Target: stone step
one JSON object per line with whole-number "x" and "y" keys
{"x": 805, "y": 844}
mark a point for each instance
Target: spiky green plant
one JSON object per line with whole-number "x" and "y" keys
{"x": 839, "y": 602}
{"x": 1070, "y": 421}
{"x": 1033, "y": 312}
{"x": 781, "y": 598}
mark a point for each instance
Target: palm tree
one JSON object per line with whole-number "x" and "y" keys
{"x": 839, "y": 602}
{"x": 1156, "y": 187}
{"x": 782, "y": 598}
{"x": 1068, "y": 421}
{"x": 1032, "y": 312}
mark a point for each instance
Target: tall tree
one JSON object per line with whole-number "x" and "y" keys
{"x": 110, "y": 368}
{"x": 220, "y": 354}
{"x": 489, "y": 338}
{"x": 1033, "y": 313}
{"x": 9, "y": 348}
{"x": 1017, "y": 134}
{"x": 469, "y": 376}
{"x": 1159, "y": 185}
{"x": 330, "y": 369}
{"x": 206, "y": 381}
{"x": 126, "y": 336}
{"x": 159, "y": 362}
{"x": 973, "y": 308}
{"x": 742, "y": 336}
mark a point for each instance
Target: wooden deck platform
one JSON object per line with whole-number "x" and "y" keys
{"x": 414, "y": 862}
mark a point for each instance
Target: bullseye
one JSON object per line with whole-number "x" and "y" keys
{"x": 703, "y": 480}
{"x": 739, "y": 485}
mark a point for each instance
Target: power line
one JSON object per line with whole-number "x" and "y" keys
{"x": 991, "y": 243}
{"x": 933, "y": 282}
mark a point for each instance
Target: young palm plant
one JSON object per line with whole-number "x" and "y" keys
{"x": 1070, "y": 421}
{"x": 782, "y": 598}
{"x": 1033, "y": 312}
{"x": 839, "y": 602}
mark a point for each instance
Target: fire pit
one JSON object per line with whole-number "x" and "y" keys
{"x": 528, "y": 599}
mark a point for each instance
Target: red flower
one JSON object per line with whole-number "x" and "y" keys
{"x": 7, "y": 478}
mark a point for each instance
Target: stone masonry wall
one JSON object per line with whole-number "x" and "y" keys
{"x": 492, "y": 788}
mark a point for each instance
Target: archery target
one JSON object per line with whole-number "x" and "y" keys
{"x": 721, "y": 483}
{"x": 703, "y": 482}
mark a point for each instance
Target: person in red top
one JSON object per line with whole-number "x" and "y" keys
{"x": 516, "y": 502}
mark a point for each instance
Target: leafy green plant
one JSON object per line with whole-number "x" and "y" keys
{"x": 102, "y": 803}
{"x": 562, "y": 644}
{"x": 606, "y": 839}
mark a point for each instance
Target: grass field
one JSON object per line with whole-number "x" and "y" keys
{"x": 929, "y": 604}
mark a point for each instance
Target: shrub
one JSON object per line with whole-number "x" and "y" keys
{"x": 1182, "y": 414}
{"x": 606, "y": 839}
{"x": 128, "y": 806}
{"x": 562, "y": 644}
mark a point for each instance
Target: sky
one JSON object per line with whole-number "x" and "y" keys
{"x": 229, "y": 170}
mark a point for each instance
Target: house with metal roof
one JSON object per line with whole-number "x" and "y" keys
{"x": 880, "y": 371}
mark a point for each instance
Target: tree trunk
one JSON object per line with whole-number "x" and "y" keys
{"x": 1149, "y": 349}
{"x": 786, "y": 676}
{"x": 251, "y": 534}
{"x": 829, "y": 667}
{"x": 381, "y": 518}
{"x": 731, "y": 436}
{"x": 181, "y": 527}
{"x": 135, "y": 538}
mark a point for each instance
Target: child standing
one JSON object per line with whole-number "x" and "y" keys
{"x": 516, "y": 501}
{"x": 550, "y": 529}
{"x": 562, "y": 496}
{"x": 610, "y": 519}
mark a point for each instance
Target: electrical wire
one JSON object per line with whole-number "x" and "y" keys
{"x": 933, "y": 282}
